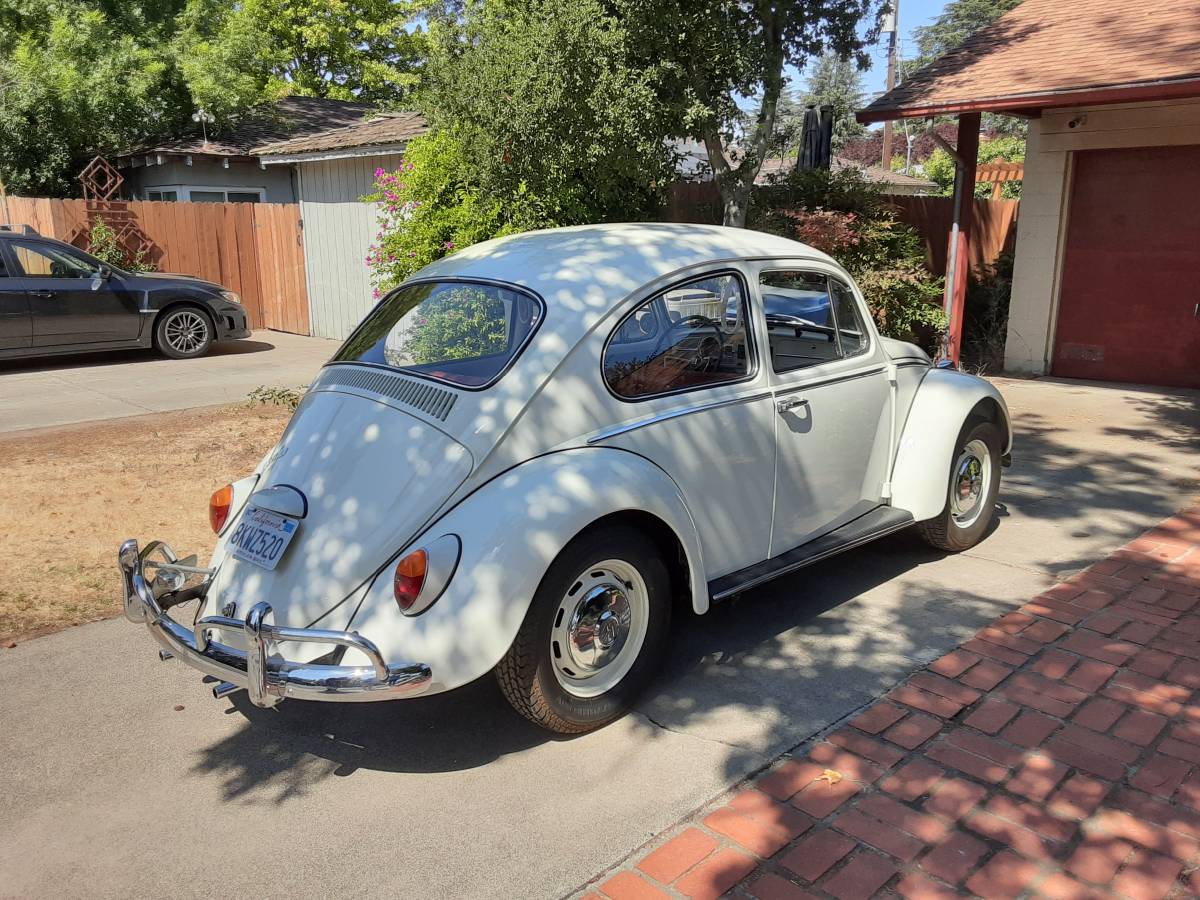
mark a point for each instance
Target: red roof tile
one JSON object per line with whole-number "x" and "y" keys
{"x": 1045, "y": 49}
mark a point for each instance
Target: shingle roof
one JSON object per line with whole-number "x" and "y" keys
{"x": 289, "y": 117}
{"x": 387, "y": 129}
{"x": 1053, "y": 52}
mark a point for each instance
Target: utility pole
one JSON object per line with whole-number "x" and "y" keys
{"x": 891, "y": 25}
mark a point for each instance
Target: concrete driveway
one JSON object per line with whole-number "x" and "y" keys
{"x": 123, "y": 777}
{"x": 64, "y": 390}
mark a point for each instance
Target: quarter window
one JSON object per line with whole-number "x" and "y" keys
{"x": 811, "y": 319}
{"x": 689, "y": 336}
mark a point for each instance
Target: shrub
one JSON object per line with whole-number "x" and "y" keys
{"x": 460, "y": 323}
{"x": 985, "y": 319}
{"x": 102, "y": 243}
{"x": 846, "y": 216}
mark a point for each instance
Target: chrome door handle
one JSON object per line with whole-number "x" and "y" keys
{"x": 42, "y": 293}
{"x": 787, "y": 403}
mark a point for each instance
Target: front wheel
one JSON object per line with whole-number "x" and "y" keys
{"x": 974, "y": 485}
{"x": 183, "y": 333}
{"x": 594, "y": 634}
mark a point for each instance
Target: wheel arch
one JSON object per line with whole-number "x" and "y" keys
{"x": 945, "y": 401}
{"x": 177, "y": 303}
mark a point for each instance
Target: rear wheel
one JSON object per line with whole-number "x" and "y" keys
{"x": 183, "y": 333}
{"x": 971, "y": 496}
{"x": 593, "y": 637}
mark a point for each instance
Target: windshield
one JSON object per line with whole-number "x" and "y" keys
{"x": 462, "y": 333}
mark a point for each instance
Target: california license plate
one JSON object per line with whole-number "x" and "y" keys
{"x": 262, "y": 536}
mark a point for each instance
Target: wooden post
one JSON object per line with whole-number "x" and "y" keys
{"x": 958, "y": 259}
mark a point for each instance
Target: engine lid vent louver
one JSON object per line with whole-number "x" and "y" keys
{"x": 420, "y": 395}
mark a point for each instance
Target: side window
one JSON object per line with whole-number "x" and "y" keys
{"x": 45, "y": 261}
{"x": 800, "y": 324}
{"x": 689, "y": 336}
{"x": 852, "y": 333}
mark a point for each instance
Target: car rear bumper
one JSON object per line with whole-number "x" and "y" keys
{"x": 266, "y": 676}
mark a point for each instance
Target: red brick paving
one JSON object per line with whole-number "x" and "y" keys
{"x": 1056, "y": 754}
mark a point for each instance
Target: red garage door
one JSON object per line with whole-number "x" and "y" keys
{"x": 1128, "y": 310}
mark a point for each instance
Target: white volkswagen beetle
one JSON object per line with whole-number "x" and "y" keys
{"x": 531, "y": 454}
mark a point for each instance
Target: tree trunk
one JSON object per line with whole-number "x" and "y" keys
{"x": 735, "y": 198}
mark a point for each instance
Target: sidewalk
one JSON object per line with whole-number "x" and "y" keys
{"x": 1056, "y": 754}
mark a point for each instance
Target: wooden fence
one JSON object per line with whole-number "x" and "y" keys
{"x": 255, "y": 249}
{"x": 993, "y": 230}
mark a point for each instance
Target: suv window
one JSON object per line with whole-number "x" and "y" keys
{"x": 811, "y": 319}
{"x": 48, "y": 261}
{"x": 690, "y": 336}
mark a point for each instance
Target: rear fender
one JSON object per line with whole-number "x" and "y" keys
{"x": 511, "y": 529}
{"x": 943, "y": 403}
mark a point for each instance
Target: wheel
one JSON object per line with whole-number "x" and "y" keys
{"x": 183, "y": 333}
{"x": 971, "y": 497}
{"x": 594, "y": 634}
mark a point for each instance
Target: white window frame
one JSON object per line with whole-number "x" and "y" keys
{"x": 184, "y": 191}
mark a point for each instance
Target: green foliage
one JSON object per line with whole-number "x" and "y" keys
{"x": 843, "y": 214}
{"x": 460, "y": 323}
{"x": 103, "y": 244}
{"x": 1008, "y": 148}
{"x": 836, "y": 81}
{"x": 957, "y": 22}
{"x": 985, "y": 319}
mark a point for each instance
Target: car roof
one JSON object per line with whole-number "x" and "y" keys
{"x": 590, "y": 268}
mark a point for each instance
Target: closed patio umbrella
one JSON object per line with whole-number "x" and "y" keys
{"x": 810, "y": 140}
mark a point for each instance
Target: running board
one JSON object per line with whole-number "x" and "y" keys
{"x": 878, "y": 522}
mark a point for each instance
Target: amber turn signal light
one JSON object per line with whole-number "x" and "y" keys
{"x": 219, "y": 505}
{"x": 409, "y": 578}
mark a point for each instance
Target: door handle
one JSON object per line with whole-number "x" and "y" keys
{"x": 787, "y": 403}
{"x": 43, "y": 293}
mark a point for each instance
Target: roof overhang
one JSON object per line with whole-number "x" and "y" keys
{"x": 271, "y": 159}
{"x": 1032, "y": 103}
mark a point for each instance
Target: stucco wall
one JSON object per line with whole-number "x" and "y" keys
{"x": 275, "y": 180}
{"x": 1045, "y": 206}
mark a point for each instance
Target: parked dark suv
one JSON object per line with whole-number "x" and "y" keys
{"x": 55, "y": 298}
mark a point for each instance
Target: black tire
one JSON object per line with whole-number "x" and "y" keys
{"x": 948, "y": 531}
{"x": 183, "y": 332}
{"x": 527, "y": 673}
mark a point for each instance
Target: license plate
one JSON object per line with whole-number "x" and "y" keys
{"x": 262, "y": 536}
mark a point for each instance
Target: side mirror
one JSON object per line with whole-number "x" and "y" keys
{"x": 104, "y": 272}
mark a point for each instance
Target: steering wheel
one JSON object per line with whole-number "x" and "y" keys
{"x": 709, "y": 349}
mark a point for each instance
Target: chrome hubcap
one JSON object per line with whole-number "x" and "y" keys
{"x": 599, "y": 628}
{"x": 970, "y": 482}
{"x": 186, "y": 331}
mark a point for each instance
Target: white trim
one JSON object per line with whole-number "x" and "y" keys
{"x": 271, "y": 159}
{"x": 184, "y": 191}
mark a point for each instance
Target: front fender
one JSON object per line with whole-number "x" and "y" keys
{"x": 511, "y": 529}
{"x": 943, "y": 402}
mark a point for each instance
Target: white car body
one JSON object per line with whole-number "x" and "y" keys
{"x": 739, "y": 474}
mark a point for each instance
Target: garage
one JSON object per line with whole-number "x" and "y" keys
{"x": 1129, "y": 302}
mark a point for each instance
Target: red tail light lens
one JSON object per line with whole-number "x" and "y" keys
{"x": 409, "y": 578}
{"x": 219, "y": 505}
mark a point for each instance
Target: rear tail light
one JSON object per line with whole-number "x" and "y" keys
{"x": 410, "y": 578}
{"x": 219, "y": 505}
{"x": 422, "y": 576}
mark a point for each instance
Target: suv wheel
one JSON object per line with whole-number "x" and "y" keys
{"x": 183, "y": 333}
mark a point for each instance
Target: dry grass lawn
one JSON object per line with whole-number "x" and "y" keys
{"x": 70, "y": 495}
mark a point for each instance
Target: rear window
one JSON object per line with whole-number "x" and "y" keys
{"x": 462, "y": 333}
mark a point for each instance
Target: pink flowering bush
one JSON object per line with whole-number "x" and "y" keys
{"x": 428, "y": 208}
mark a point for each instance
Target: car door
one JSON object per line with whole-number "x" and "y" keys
{"x": 16, "y": 329}
{"x": 831, "y": 391}
{"x": 685, "y": 368}
{"x": 68, "y": 300}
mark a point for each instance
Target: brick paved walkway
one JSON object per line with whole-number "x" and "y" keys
{"x": 1056, "y": 754}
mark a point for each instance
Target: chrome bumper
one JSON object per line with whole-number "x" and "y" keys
{"x": 267, "y": 677}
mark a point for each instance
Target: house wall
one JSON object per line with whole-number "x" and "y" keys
{"x": 338, "y": 230}
{"x": 275, "y": 180}
{"x": 1045, "y": 196}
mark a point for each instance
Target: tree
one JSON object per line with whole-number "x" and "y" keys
{"x": 957, "y": 22}
{"x": 710, "y": 52}
{"x": 836, "y": 81}
{"x": 1006, "y": 148}
{"x": 234, "y": 52}
{"x": 78, "y": 79}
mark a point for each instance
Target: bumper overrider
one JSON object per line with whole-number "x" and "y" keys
{"x": 266, "y": 676}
